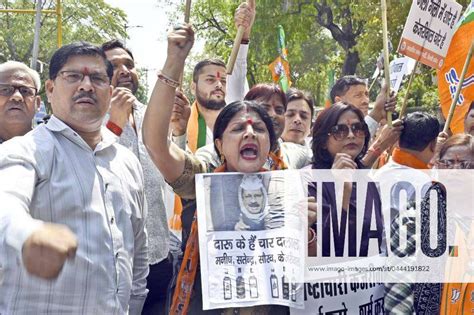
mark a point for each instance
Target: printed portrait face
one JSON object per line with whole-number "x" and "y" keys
{"x": 253, "y": 200}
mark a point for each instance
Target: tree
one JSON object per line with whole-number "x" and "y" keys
{"x": 88, "y": 20}
{"x": 322, "y": 36}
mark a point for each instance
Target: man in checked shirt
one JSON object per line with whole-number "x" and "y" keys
{"x": 72, "y": 210}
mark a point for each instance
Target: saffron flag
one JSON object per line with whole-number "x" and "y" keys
{"x": 328, "y": 101}
{"x": 450, "y": 72}
{"x": 280, "y": 68}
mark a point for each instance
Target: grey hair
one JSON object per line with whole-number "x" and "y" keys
{"x": 15, "y": 65}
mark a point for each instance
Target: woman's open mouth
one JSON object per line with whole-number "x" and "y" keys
{"x": 249, "y": 151}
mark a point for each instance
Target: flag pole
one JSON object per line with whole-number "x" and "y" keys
{"x": 236, "y": 47}
{"x": 386, "y": 57}
{"x": 373, "y": 82}
{"x": 187, "y": 14}
{"x": 235, "y": 50}
{"x": 187, "y": 11}
{"x": 458, "y": 89}
{"x": 405, "y": 100}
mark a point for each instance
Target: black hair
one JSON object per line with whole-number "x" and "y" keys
{"x": 419, "y": 130}
{"x": 266, "y": 91}
{"x": 327, "y": 119}
{"x": 229, "y": 111}
{"x": 344, "y": 84}
{"x": 295, "y": 94}
{"x": 206, "y": 62}
{"x": 62, "y": 55}
{"x": 116, "y": 43}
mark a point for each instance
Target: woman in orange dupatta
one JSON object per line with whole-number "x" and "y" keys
{"x": 243, "y": 136}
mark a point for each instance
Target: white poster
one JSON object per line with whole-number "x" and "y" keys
{"x": 333, "y": 298}
{"x": 398, "y": 69}
{"x": 428, "y": 30}
{"x": 252, "y": 238}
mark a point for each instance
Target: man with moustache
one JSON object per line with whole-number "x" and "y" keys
{"x": 72, "y": 216}
{"x": 19, "y": 99}
{"x": 125, "y": 120}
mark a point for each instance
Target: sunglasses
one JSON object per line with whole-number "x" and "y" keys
{"x": 340, "y": 132}
{"x": 451, "y": 164}
{"x": 25, "y": 91}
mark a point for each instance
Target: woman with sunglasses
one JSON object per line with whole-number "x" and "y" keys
{"x": 340, "y": 138}
{"x": 340, "y": 141}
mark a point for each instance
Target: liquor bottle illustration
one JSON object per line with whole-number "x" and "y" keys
{"x": 253, "y": 287}
{"x": 285, "y": 285}
{"x": 240, "y": 285}
{"x": 227, "y": 287}
{"x": 293, "y": 287}
{"x": 274, "y": 284}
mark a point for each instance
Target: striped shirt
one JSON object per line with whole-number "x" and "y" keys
{"x": 52, "y": 175}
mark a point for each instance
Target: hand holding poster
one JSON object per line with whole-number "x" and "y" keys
{"x": 251, "y": 240}
{"x": 428, "y": 31}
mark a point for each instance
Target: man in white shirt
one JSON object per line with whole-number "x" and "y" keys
{"x": 72, "y": 216}
{"x": 19, "y": 86}
{"x": 213, "y": 88}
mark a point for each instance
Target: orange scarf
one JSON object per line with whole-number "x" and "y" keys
{"x": 187, "y": 271}
{"x": 193, "y": 128}
{"x": 277, "y": 158}
{"x": 408, "y": 159}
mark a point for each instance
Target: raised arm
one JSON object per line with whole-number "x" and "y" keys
{"x": 237, "y": 85}
{"x": 168, "y": 157}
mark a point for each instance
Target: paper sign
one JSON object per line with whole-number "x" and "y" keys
{"x": 251, "y": 244}
{"x": 428, "y": 31}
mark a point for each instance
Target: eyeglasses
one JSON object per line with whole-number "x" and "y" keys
{"x": 451, "y": 164}
{"x": 25, "y": 91}
{"x": 97, "y": 79}
{"x": 340, "y": 132}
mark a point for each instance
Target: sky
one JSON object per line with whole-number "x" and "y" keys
{"x": 148, "y": 24}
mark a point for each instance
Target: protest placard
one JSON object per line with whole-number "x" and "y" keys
{"x": 398, "y": 69}
{"x": 252, "y": 238}
{"x": 428, "y": 31}
{"x": 332, "y": 297}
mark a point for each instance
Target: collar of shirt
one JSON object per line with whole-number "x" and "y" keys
{"x": 407, "y": 159}
{"x": 57, "y": 125}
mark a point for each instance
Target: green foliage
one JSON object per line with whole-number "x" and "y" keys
{"x": 312, "y": 48}
{"x": 87, "y": 20}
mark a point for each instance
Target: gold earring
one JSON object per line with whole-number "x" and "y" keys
{"x": 222, "y": 158}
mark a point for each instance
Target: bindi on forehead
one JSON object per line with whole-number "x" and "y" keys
{"x": 86, "y": 70}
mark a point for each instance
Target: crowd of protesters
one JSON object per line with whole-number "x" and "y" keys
{"x": 87, "y": 197}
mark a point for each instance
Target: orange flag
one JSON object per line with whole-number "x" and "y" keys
{"x": 448, "y": 75}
